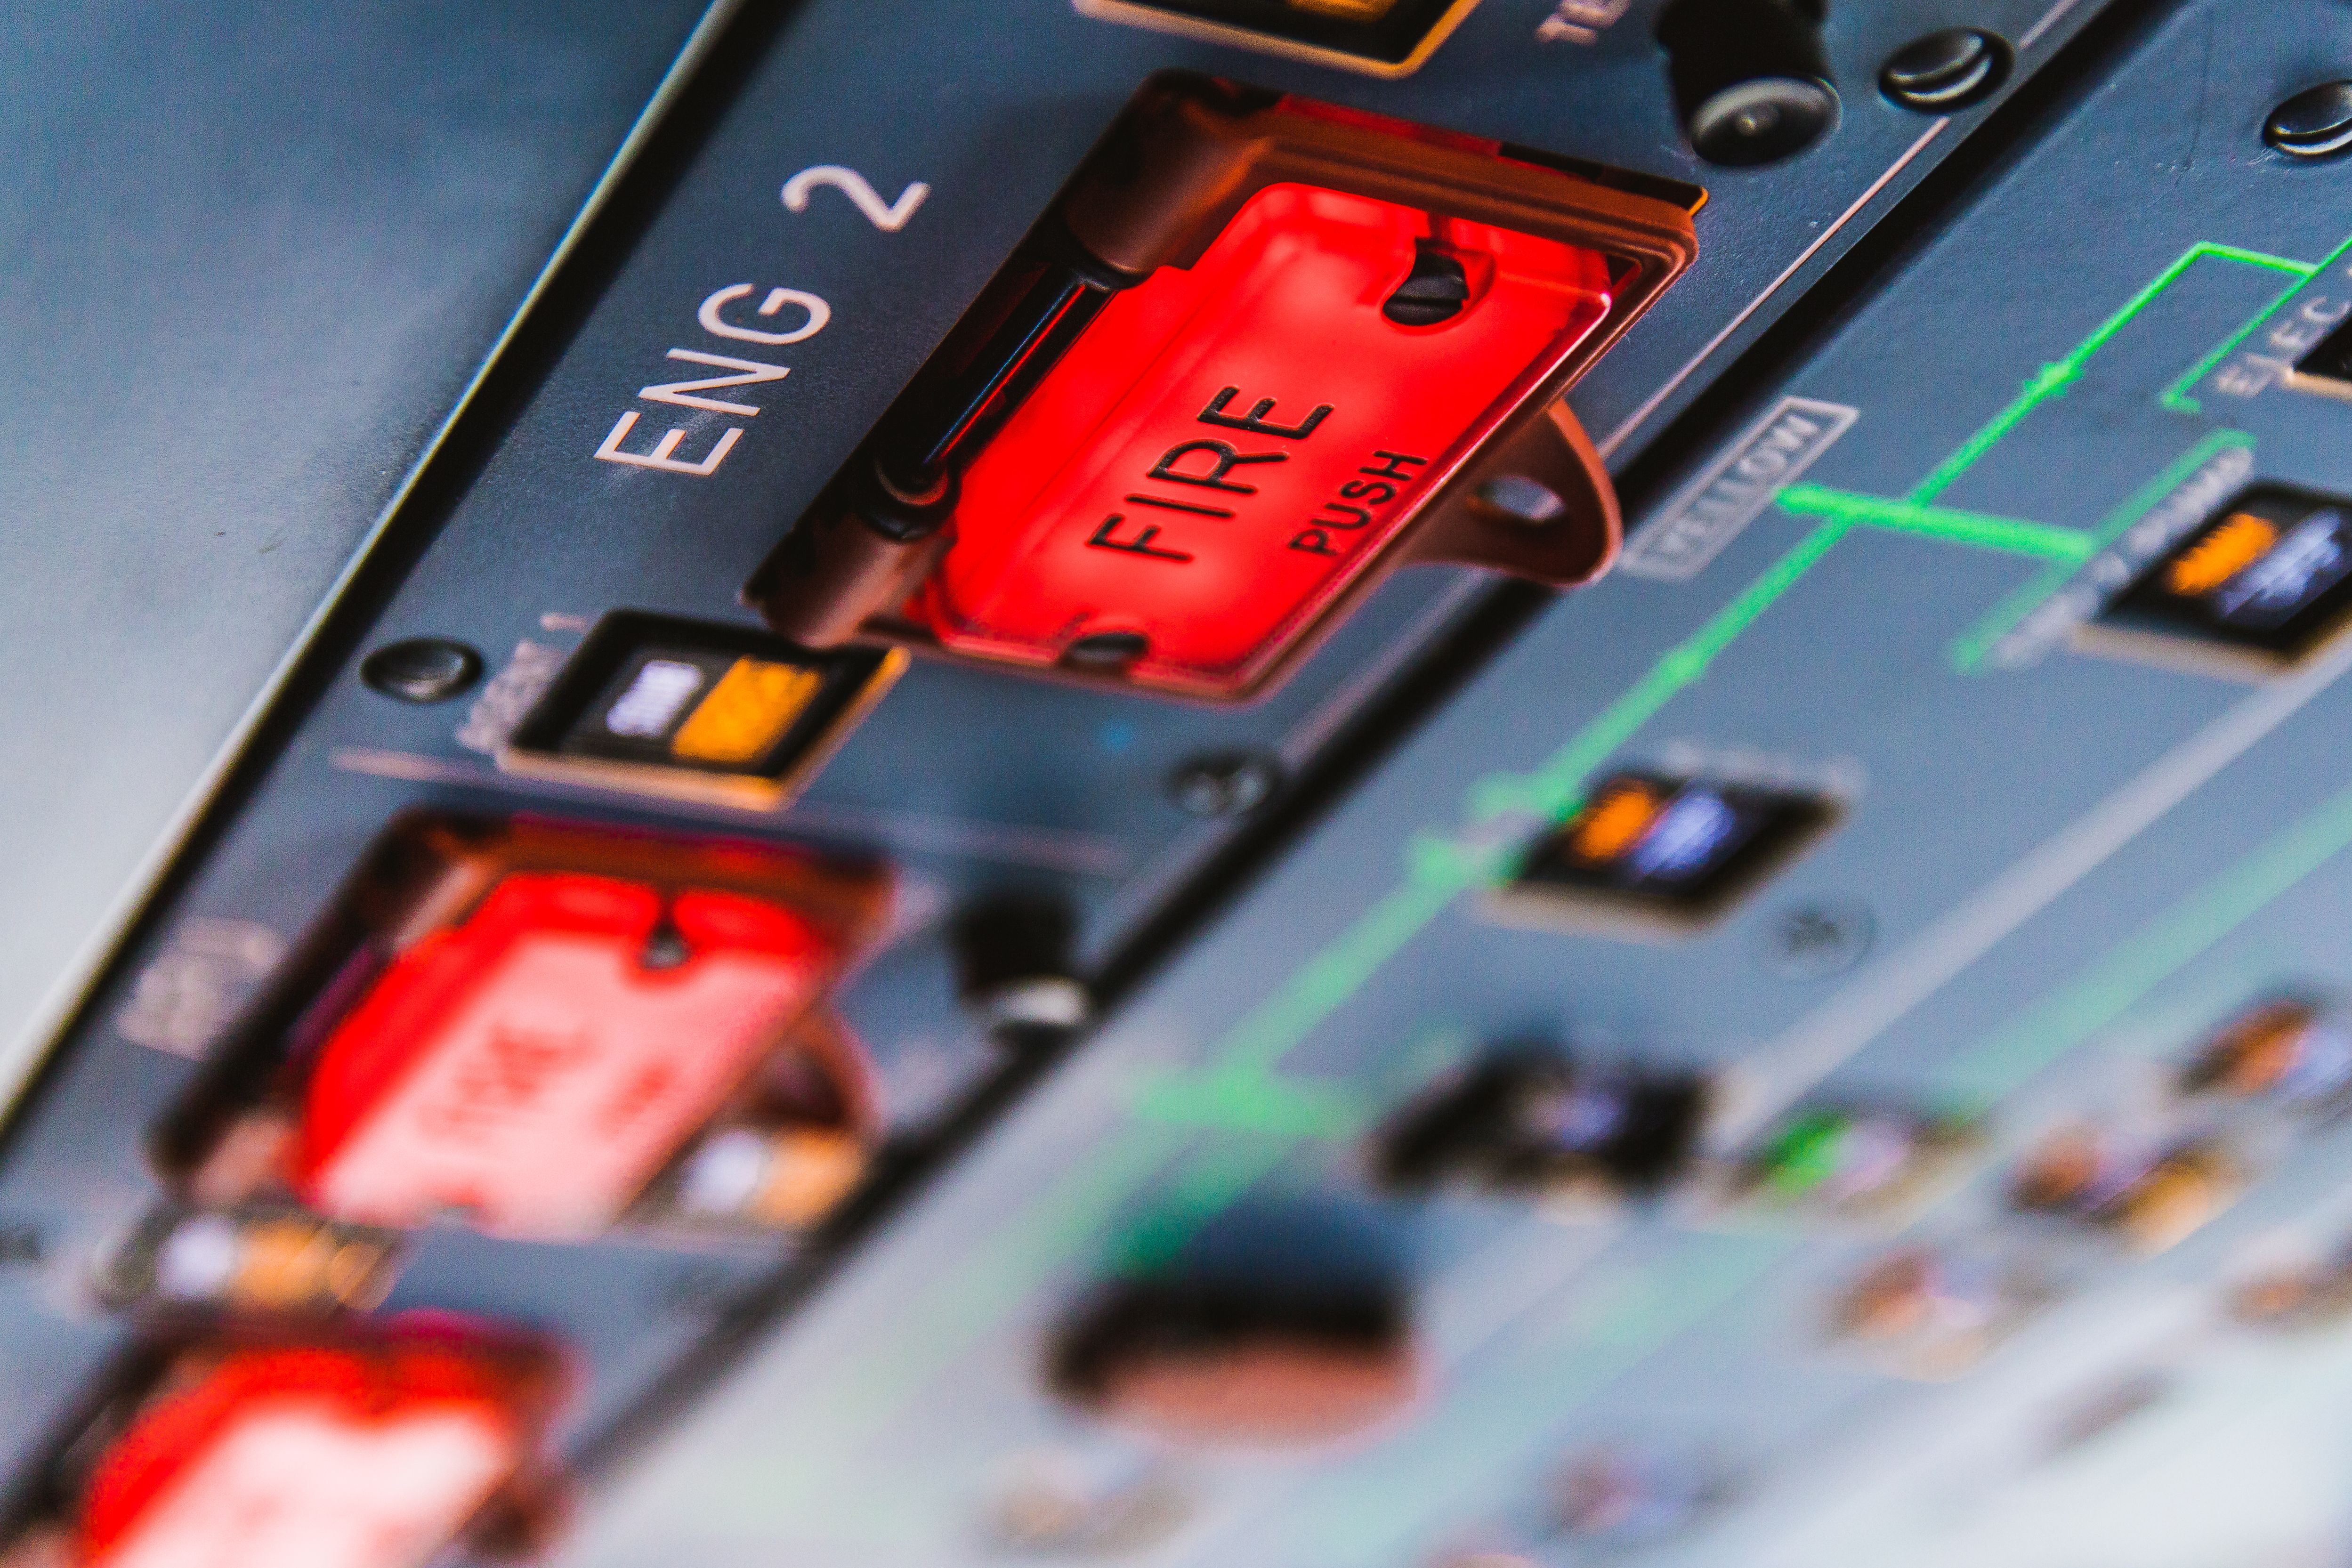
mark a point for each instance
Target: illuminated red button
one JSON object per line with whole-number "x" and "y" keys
{"x": 536, "y": 1065}
{"x": 1259, "y": 354}
{"x": 1230, "y": 445}
{"x": 305, "y": 1458}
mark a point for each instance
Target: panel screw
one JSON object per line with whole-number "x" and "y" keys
{"x": 1946, "y": 71}
{"x": 1107, "y": 650}
{"x": 21, "y": 1243}
{"x": 1226, "y": 784}
{"x": 422, "y": 670}
{"x": 1813, "y": 941}
{"x": 2315, "y": 123}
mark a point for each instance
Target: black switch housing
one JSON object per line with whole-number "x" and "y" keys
{"x": 1751, "y": 80}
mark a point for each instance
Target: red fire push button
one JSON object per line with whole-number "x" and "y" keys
{"x": 342, "y": 1456}
{"x": 525, "y": 1024}
{"x": 531, "y": 1069}
{"x": 1285, "y": 427}
{"x": 1261, "y": 352}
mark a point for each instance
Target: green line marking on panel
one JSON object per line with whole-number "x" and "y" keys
{"x": 2068, "y": 544}
{"x": 1440, "y": 870}
{"x": 1619, "y": 1319}
{"x": 2150, "y": 955}
{"x": 860, "y": 1398}
{"x": 2177, "y": 397}
{"x": 1338, "y": 972}
{"x": 1970, "y": 649}
{"x": 2052, "y": 380}
{"x": 1210, "y": 1182}
{"x": 855, "y": 1401}
{"x": 1253, "y": 1103}
{"x": 1553, "y": 790}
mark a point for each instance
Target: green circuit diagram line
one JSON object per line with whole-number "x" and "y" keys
{"x": 2150, "y": 955}
{"x": 1239, "y": 1081}
{"x": 1618, "y": 1319}
{"x": 1970, "y": 649}
{"x": 1238, "y": 1089}
{"x": 1439, "y": 871}
{"x": 2068, "y": 544}
{"x": 1554, "y": 790}
{"x": 2054, "y": 379}
{"x": 1252, "y": 1102}
{"x": 2177, "y": 397}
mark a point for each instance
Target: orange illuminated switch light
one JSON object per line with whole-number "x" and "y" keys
{"x": 697, "y": 710}
{"x": 545, "y": 1019}
{"x": 1261, "y": 352}
{"x": 1377, "y": 37}
{"x": 2261, "y": 585}
{"x": 1654, "y": 853}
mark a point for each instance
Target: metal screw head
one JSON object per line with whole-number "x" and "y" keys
{"x": 1436, "y": 291}
{"x": 22, "y": 1242}
{"x": 1107, "y": 650}
{"x": 422, "y": 670}
{"x": 1227, "y": 784}
{"x": 1946, "y": 71}
{"x": 2315, "y": 123}
{"x": 1813, "y": 941}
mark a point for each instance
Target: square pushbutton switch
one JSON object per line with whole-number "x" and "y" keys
{"x": 697, "y": 712}
{"x": 1653, "y": 855}
{"x": 2258, "y": 587}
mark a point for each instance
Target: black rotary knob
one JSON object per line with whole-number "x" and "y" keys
{"x": 1751, "y": 79}
{"x": 1014, "y": 965}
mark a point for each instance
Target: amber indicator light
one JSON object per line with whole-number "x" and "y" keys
{"x": 1653, "y": 853}
{"x": 697, "y": 712}
{"x": 1377, "y": 37}
{"x": 2260, "y": 586}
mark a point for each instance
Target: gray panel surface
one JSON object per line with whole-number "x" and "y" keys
{"x": 255, "y": 255}
{"x": 2077, "y": 869}
{"x": 2071, "y": 865}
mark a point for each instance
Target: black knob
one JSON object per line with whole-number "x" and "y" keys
{"x": 1750, "y": 77}
{"x": 1014, "y": 963}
